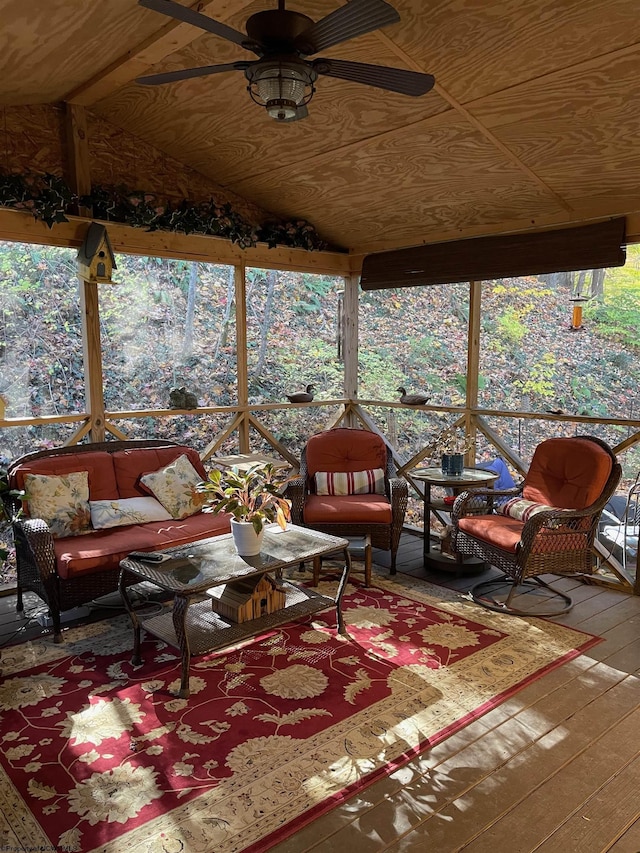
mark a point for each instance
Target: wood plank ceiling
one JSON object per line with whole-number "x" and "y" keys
{"x": 534, "y": 120}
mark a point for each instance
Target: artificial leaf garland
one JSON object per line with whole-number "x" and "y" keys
{"x": 49, "y": 198}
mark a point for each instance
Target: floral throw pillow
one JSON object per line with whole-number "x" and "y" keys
{"x": 61, "y": 501}
{"x": 175, "y": 487}
{"x": 117, "y": 513}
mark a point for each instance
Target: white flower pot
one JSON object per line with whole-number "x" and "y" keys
{"x": 248, "y": 542}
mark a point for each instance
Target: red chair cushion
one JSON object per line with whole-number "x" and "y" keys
{"x": 347, "y": 509}
{"x": 496, "y": 530}
{"x": 567, "y": 472}
{"x": 345, "y": 450}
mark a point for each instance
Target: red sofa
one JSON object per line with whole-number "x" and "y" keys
{"x": 73, "y": 570}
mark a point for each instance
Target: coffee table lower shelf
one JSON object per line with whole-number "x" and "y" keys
{"x": 207, "y": 631}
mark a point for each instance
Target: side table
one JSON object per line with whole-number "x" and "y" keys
{"x": 469, "y": 478}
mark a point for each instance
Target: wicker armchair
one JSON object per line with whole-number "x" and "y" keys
{"x": 342, "y": 450}
{"x": 546, "y": 526}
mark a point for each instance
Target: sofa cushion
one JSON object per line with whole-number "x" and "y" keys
{"x": 175, "y": 486}
{"x": 121, "y": 511}
{"x": 98, "y": 464}
{"x": 359, "y": 509}
{"x": 105, "y": 548}
{"x": 130, "y": 465}
{"x": 61, "y": 501}
{"x": 370, "y": 481}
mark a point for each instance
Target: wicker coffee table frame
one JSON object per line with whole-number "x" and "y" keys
{"x": 192, "y": 625}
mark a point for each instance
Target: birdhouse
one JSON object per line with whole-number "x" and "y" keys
{"x": 249, "y": 598}
{"x": 95, "y": 257}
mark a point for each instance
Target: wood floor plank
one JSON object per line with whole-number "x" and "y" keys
{"x": 442, "y": 809}
{"x": 594, "y": 824}
{"x": 562, "y": 792}
{"x": 629, "y": 841}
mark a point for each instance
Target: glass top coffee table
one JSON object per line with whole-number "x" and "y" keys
{"x": 192, "y": 572}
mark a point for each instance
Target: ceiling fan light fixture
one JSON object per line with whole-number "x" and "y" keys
{"x": 281, "y": 86}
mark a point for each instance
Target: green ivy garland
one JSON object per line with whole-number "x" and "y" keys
{"x": 49, "y": 198}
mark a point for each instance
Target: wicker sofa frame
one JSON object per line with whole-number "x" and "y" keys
{"x": 386, "y": 537}
{"x": 35, "y": 558}
{"x": 557, "y": 542}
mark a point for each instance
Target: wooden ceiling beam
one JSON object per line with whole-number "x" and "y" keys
{"x": 20, "y": 226}
{"x": 475, "y": 123}
{"x": 171, "y": 37}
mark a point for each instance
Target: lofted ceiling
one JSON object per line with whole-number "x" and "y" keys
{"x": 534, "y": 120}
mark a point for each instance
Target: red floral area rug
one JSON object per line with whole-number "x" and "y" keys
{"x": 96, "y": 754}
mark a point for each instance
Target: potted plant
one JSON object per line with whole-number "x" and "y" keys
{"x": 253, "y": 497}
{"x": 452, "y": 447}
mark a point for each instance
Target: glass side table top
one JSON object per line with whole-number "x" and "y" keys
{"x": 469, "y": 477}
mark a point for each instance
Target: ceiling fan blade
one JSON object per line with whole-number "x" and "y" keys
{"x": 354, "y": 19}
{"x": 190, "y": 16}
{"x": 187, "y": 73}
{"x": 380, "y": 76}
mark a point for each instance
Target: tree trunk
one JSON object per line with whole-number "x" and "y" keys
{"x": 597, "y": 285}
{"x": 226, "y": 319}
{"x": 187, "y": 346}
{"x": 266, "y": 323}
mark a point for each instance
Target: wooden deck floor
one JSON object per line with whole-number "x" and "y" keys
{"x": 555, "y": 769}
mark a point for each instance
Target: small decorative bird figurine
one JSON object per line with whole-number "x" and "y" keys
{"x": 302, "y": 396}
{"x": 412, "y": 399}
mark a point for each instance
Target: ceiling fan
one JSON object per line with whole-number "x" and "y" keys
{"x": 282, "y": 80}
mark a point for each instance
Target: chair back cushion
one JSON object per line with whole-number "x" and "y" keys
{"x": 344, "y": 450}
{"x": 568, "y": 473}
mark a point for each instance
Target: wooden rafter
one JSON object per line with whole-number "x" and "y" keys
{"x": 171, "y": 36}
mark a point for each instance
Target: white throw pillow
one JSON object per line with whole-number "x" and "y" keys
{"x": 62, "y": 501}
{"x": 121, "y": 511}
{"x": 175, "y": 487}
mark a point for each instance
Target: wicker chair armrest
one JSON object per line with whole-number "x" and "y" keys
{"x": 34, "y": 533}
{"x": 12, "y": 506}
{"x": 479, "y": 501}
{"x": 295, "y": 493}
{"x": 556, "y": 517}
{"x": 398, "y": 489}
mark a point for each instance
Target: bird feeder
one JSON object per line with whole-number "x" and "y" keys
{"x": 576, "y": 316}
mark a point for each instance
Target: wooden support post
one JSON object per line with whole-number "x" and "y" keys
{"x": 241, "y": 355}
{"x": 92, "y": 355}
{"x": 350, "y": 341}
{"x": 79, "y": 171}
{"x": 473, "y": 366}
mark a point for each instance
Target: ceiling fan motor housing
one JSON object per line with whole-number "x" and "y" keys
{"x": 275, "y": 30}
